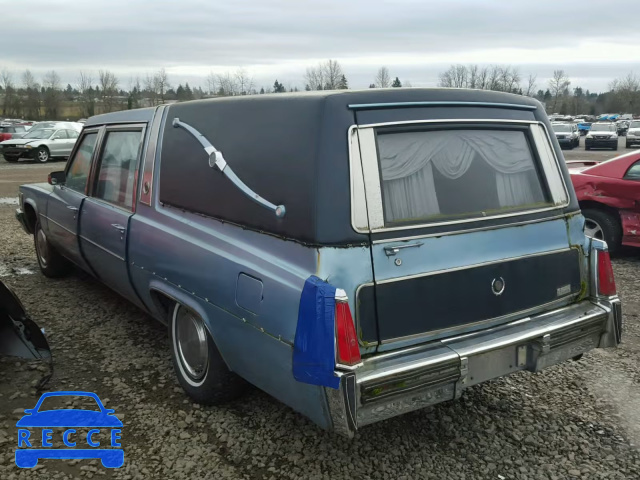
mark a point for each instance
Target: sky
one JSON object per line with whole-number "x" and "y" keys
{"x": 593, "y": 41}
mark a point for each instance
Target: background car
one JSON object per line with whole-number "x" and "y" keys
{"x": 622, "y": 126}
{"x": 609, "y": 196}
{"x": 43, "y": 142}
{"x": 567, "y": 134}
{"x": 633, "y": 133}
{"x": 10, "y": 130}
{"x": 602, "y": 135}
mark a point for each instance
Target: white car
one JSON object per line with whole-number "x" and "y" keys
{"x": 43, "y": 142}
{"x": 602, "y": 135}
{"x": 633, "y": 134}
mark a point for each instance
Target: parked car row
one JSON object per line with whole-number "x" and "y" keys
{"x": 43, "y": 142}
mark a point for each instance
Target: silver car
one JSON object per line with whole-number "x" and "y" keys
{"x": 43, "y": 142}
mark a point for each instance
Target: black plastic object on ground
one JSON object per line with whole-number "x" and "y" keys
{"x": 19, "y": 335}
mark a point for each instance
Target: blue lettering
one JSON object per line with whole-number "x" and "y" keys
{"x": 23, "y": 438}
{"x": 115, "y": 435}
{"x": 46, "y": 436}
{"x": 65, "y": 437}
{"x": 90, "y": 441}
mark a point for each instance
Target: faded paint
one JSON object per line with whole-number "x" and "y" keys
{"x": 630, "y": 227}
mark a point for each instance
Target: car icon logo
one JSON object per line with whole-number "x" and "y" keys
{"x": 32, "y": 447}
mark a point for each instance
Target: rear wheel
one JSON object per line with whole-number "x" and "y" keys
{"x": 603, "y": 226}
{"x": 201, "y": 370}
{"x": 52, "y": 264}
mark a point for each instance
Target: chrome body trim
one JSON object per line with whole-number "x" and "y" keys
{"x": 359, "y": 217}
{"x": 373, "y": 106}
{"x": 149, "y": 157}
{"x": 404, "y": 380}
{"x": 371, "y": 172}
{"x": 216, "y": 159}
{"x": 58, "y": 224}
{"x": 101, "y": 248}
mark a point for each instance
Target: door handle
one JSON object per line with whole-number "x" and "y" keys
{"x": 392, "y": 250}
{"x": 70, "y": 207}
{"x": 119, "y": 227}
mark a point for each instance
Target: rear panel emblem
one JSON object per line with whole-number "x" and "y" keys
{"x": 497, "y": 286}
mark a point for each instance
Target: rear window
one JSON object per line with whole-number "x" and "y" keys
{"x": 437, "y": 175}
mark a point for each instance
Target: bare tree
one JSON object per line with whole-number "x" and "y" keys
{"x": 10, "y": 94}
{"x": 211, "y": 83}
{"x": 32, "y": 96}
{"x": 227, "y": 84}
{"x": 625, "y": 94}
{"x": 531, "y": 85}
{"x": 244, "y": 82}
{"x": 327, "y": 75}
{"x": 455, "y": 77}
{"x": 383, "y": 80}
{"x": 558, "y": 86}
{"x": 161, "y": 84}
{"x": 52, "y": 95}
{"x": 108, "y": 89}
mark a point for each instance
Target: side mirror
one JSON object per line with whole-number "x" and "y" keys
{"x": 56, "y": 178}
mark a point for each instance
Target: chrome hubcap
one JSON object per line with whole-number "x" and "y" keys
{"x": 191, "y": 342}
{"x": 593, "y": 229}
{"x": 43, "y": 248}
{"x": 43, "y": 156}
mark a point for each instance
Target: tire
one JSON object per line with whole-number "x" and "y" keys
{"x": 627, "y": 145}
{"x": 615, "y": 148}
{"x": 42, "y": 154}
{"x": 609, "y": 226}
{"x": 201, "y": 371}
{"x": 52, "y": 264}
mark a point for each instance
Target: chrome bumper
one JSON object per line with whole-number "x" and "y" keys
{"x": 394, "y": 383}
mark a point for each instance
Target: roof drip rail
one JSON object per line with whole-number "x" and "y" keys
{"x": 216, "y": 159}
{"x": 376, "y": 106}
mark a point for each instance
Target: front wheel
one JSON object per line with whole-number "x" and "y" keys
{"x": 52, "y": 264}
{"x": 42, "y": 154}
{"x": 603, "y": 226}
{"x": 201, "y": 371}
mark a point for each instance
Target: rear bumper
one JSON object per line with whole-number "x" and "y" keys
{"x": 398, "y": 382}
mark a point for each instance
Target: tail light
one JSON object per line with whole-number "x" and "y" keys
{"x": 348, "y": 352}
{"x": 606, "y": 282}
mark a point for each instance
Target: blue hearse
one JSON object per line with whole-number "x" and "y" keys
{"x": 355, "y": 254}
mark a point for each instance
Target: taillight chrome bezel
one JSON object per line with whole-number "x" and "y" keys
{"x": 342, "y": 301}
{"x": 599, "y": 249}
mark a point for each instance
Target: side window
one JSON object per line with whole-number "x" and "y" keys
{"x": 72, "y": 134}
{"x": 115, "y": 181}
{"x": 634, "y": 172}
{"x": 80, "y": 165}
{"x": 60, "y": 134}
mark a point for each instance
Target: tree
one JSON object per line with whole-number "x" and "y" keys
{"x": 211, "y": 83}
{"x": 372, "y": 85}
{"x": 87, "y": 94}
{"x": 32, "y": 97}
{"x": 226, "y": 84}
{"x": 262, "y": 90}
{"x": 326, "y": 76}
{"x": 382, "y": 79}
{"x": 52, "y": 98}
{"x": 278, "y": 87}
{"x": 396, "y": 83}
{"x": 244, "y": 82}
{"x": 343, "y": 85}
{"x": 531, "y": 85}
{"x": 10, "y": 94}
{"x": 558, "y": 86}
{"x": 109, "y": 87}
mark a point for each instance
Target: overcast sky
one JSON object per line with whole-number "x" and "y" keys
{"x": 593, "y": 41}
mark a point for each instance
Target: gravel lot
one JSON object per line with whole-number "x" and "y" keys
{"x": 577, "y": 420}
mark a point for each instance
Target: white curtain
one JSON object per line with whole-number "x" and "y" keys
{"x": 407, "y": 161}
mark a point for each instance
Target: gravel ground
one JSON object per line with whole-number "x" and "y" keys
{"x": 577, "y": 420}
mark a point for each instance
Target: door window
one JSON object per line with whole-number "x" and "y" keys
{"x": 634, "y": 172}
{"x": 115, "y": 182}
{"x": 60, "y": 134}
{"x": 80, "y": 165}
{"x": 72, "y": 134}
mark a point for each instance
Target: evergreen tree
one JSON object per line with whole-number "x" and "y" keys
{"x": 262, "y": 91}
{"x": 396, "y": 83}
{"x": 278, "y": 87}
{"x": 372, "y": 85}
{"x": 343, "y": 85}
{"x": 188, "y": 94}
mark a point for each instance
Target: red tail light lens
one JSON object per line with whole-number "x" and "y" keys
{"x": 347, "y": 341}
{"x": 606, "y": 282}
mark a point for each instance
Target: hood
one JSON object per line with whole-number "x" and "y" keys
{"x": 18, "y": 141}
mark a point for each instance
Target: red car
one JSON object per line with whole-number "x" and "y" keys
{"x": 609, "y": 195}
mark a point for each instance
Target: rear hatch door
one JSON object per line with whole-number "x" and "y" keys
{"x": 466, "y": 224}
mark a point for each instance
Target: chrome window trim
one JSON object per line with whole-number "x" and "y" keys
{"x": 469, "y": 230}
{"x": 510, "y": 106}
{"x": 359, "y": 217}
{"x": 371, "y": 173}
{"x": 149, "y": 157}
